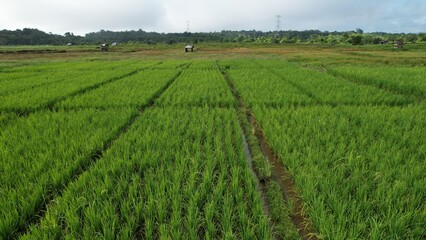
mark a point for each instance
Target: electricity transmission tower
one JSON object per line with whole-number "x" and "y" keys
{"x": 187, "y": 26}
{"x": 278, "y": 26}
{"x": 278, "y": 23}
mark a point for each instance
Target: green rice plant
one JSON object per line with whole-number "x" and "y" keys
{"x": 203, "y": 65}
{"x": 360, "y": 170}
{"x": 19, "y": 81}
{"x": 12, "y": 86}
{"x": 280, "y": 212}
{"x": 64, "y": 68}
{"x": 234, "y": 64}
{"x": 41, "y": 153}
{"x": 261, "y": 164}
{"x": 260, "y": 86}
{"x": 136, "y": 90}
{"x": 44, "y": 95}
{"x": 198, "y": 88}
{"x": 171, "y": 64}
{"x": 406, "y": 80}
{"x": 5, "y": 118}
{"x": 178, "y": 184}
{"x": 333, "y": 90}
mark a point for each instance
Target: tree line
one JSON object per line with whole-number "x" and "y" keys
{"x": 28, "y": 36}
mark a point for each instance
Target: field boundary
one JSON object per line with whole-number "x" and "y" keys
{"x": 92, "y": 159}
{"x": 279, "y": 175}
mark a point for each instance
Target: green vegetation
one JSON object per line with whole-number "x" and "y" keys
{"x": 29, "y": 36}
{"x": 41, "y": 153}
{"x": 135, "y": 90}
{"x": 406, "y": 80}
{"x": 332, "y": 90}
{"x": 46, "y": 94}
{"x": 260, "y": 86}
{"x": 199, "y": 88}
{"x": 28, "y": 77}
{"x": 156, "y": 143}
{"x": 360, "y": 170}
{"x": 153, "y": 185}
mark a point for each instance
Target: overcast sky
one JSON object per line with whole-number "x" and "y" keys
{"x": 83, "y": 16}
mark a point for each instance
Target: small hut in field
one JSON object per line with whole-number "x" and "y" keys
{"x": 103, "y": 47}
{"x": 189, "y": 48}
{"x": 398, "y": 44}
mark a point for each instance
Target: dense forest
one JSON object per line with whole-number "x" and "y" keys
{"x": 29, "y": 36}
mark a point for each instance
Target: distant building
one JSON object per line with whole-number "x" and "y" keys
{"x": 398, "y": 44}
{"x": 113, "y": 44}
{"x": 69, "y": 44}
{"x": 103, "y": 47}
{"x": 189, "y": 48}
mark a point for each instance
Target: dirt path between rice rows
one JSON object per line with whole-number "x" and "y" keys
{"x": 280, "y": 174}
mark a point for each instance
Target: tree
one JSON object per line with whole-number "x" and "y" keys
{"x": 359, "y": 31}
{"x": 355, "y": 39}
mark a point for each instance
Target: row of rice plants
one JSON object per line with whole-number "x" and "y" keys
{"x": 8, "y": 65}
{"x": 136, "y": 90}
{"x": 408, "y": 80}
{"x": 33, "y": 67}
{"x": 202, "y": 64}
{"x": 177, "y": 174}
{"x": 360, "y": 170}
{"x": 198, "y": 88}
{"x": 6, "y": 117}
{"x": 333, "y": 90}
{"x": 51, "y": 67}
{"x": 40, "y": 153}
{"x": 245, "y": 64}
{"x": 171, "y": 64}
{"x": 258, "y": 86}
{"x": 37, "y": 97}
{"x": 31, "y": 80}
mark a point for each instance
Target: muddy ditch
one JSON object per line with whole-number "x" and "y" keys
{"x": 279, "y": 175}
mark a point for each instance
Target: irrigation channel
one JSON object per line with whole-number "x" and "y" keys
{"x": 279, "y": 175}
